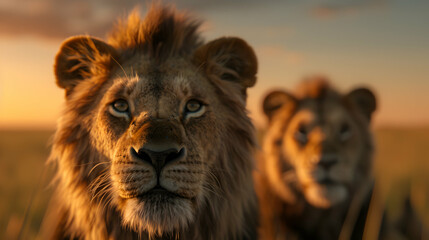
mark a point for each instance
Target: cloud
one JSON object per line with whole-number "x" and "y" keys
{"x": 340, "y": 8}
{"x": 63, "y": 18}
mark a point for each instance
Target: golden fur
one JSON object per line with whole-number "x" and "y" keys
{"x": 155, "y": 141}
{"x": 316, "y": 163}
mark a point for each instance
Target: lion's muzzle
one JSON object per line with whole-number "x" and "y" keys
{"x": 158, "y": 142}
{"x": 326, "y": 161}
{"x": 156, "y": 155}
{"x": 159, "y": 156}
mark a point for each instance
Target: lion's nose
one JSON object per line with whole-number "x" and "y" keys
{"x": 328, "y": 161}
{"x": 160, "y": 157}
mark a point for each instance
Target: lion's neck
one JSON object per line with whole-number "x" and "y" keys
{"x": 325, "y": 223}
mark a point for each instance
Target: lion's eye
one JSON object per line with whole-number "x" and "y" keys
{"x": 120, "y": 105}
{"x": 345, "y": 132}
{"x": 120, "y": 108}
{"x": 301, "y": 135}
{"x": 193, "y": 106}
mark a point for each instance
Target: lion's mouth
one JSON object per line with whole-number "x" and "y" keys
{"x": 158, "y": 192}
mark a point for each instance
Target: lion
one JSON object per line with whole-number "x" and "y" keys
{"x": 155, "y": 141}
{"x": 315, "y": 173}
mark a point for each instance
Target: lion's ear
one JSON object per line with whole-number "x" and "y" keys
{"x": 229, "y": 59}
{"x": 276, "y": 100}
{"x": 364, "y": 99}
{"x": 80, "y": 58}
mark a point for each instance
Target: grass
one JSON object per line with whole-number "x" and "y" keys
{"x": 401, "y": 167}
{"x": 23, "y": 155}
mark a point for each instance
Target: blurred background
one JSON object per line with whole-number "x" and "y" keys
{"x": 382, "y": 44}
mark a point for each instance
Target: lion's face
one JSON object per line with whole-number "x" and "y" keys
{"x": 161, "y": 129}
{"x": 165, "y": 139}
{"x": 324, "y": 151}
{"x": 318, "y": 143}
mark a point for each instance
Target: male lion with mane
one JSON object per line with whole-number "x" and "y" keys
{"x": 315, "y": 175}
{"x": 155, "y": 141}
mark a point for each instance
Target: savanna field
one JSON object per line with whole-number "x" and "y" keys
{"x": 401, "y": 168}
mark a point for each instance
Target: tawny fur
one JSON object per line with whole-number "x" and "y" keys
{"x": 307, "y": 129}
{"x": 157, "y": 65}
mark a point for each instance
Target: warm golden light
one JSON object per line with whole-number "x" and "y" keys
{"x": 382, "y": 45}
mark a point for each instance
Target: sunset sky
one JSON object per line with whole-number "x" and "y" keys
{"x": 383, "y": 44}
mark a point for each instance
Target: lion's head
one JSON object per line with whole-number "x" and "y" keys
{"x": 318, "y": 142}
{"x": 155, "y": 131}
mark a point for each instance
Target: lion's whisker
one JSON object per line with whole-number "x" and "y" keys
{"x": 92, "y": 169}
{"x": 122, "y": 68}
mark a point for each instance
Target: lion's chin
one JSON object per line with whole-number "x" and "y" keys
{"x": 325, "y": 195}
{"x": 158, "y": 213}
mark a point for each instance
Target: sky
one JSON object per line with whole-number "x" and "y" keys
{"x": 381, "y": 44}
